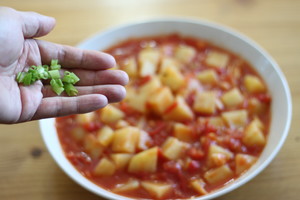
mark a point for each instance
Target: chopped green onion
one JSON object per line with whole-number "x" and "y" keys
{"x": 27, "y": 79}
{"x": 57, "y": 86}
{"x": 70, "y": 77}
{"x": 54, "y": 74}
{"x": 70, "y": 89}
{"x": 20, "y": 77}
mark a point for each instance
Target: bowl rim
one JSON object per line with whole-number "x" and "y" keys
{"x": 210, "y": 24}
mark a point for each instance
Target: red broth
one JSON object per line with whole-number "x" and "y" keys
{"x": 160, "y": 142}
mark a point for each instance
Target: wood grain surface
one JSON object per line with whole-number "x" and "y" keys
{"x": 27, "y": 171}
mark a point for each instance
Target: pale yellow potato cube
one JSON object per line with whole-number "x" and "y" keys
{"x": 131, "y": 184}
{"x": 160, "y": 100}
{"x": 216, "y": 122}
{"x": 205, "y": 102}
{"x": 172, "y": 77}
{"x": 183, "y": 132}
{"x": 148, "y": 61}
{"x": 253, "y": 84}
{"x": 173, "y": 148}
{"x": 217, "y": 59}
{"x": 121, "y": 124}
{"x": 92, "y": 146}
{"x": 130, "y": 67}
{"x": 208, "y": 76}
{"x": 232, "y": 98}
{"x": 137, "y": 99}
{"x": 144, "y": 140}
{"x": 180, "y": 112}
{"x": 218, "y": 155}
{"x": 78, "y": 133}
{"x": 170, "y": 62}
{"x": 111, "y": 114}
{"x": 85, "y": 118}
{"x": 121, "y": 160}
{"x": 218, "y": 175}
{"x": 243, "y": 162}
{"x": 185, "y": 53}
{"x": 156, "y": 189}
{"x": 144, "y": 161}
{"x": 105, "y": 167}
{"x": 253, "y": 135}
{"x": 105, "y": 136}
{"x": 125, "y": 139}
{"x": 199, "y": 186}
{"x": 236, "y": 118}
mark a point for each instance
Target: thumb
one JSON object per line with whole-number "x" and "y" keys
{"x": 36, "y": 25}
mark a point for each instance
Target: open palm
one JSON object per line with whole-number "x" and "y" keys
{"x": 19, "y": 49}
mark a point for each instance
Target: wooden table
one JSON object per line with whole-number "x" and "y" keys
{"x": 27, "y": 171}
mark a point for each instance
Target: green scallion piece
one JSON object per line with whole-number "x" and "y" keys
{"x": 27, "y": 80}
{"x": 70, "y": 77}
{"x": 57, "y": 86}
{"x": 54, "y": 74}
{"x": 70, "y": 89}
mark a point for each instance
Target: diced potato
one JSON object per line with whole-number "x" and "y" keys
{"x": 160, "y": 100}
{"x": 217, "y": 59}
{"x": 170, "y": 62}
{"x": 111, "y": 114}
{"x": 144, "y": 141}
{"x": 256, "y": 106}
{"x": 125, "y": 139}
{"x": 157, "y": 190}
{"x": 218, "y": 155}
{"x": 121, "y": 123}
{"x": 144, "y": 161}
{"x": 78, "y": 133}
{"x": 105, "y": 167}
{"x": 121, "y": 160}
{"x": 185, "y": 53}
{"x": 180, "y": 112}
{"x": 218, "y": 175}
{"x": 85, "y": 118}
{"x": 216, "y": 122}
{"x": 92, "y": 146}
{"x": 173, "y": 149}
{"x": 253, "y": 84}
{"x": 132, "y": 184}
{"x": 183, "y": 132}
{"x": 198, "y": 185}
{"x": 236, "y": 118}
{"x": 105, "y": 136}
{"x": 208, "y": 76}
{"x": 243, "y": 162}
{"x": 205, "y": 102}
{"x": 253, "y": 135}
{"x": 137, "y": 99}
{"x": 148, "y": 60}
{"x": 130, "y": 67}
{"x": 232, "y": 98}
{"x": 172, "y": 77}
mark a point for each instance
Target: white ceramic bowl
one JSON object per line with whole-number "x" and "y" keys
{"x": 220, "y": 36}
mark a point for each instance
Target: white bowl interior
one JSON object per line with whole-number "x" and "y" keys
{"x": 220, "y": 36}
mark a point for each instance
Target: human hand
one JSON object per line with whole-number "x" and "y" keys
{"x": 19, "y": 50}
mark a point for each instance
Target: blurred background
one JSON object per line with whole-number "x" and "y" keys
{"x": 27, "y": 171}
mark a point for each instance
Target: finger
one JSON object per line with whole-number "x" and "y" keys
{"x": 62, "y": 106}
{"x": 71, "y": 57}
{"x": 113, "y": 93}
{"x": 36, "y": 25}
